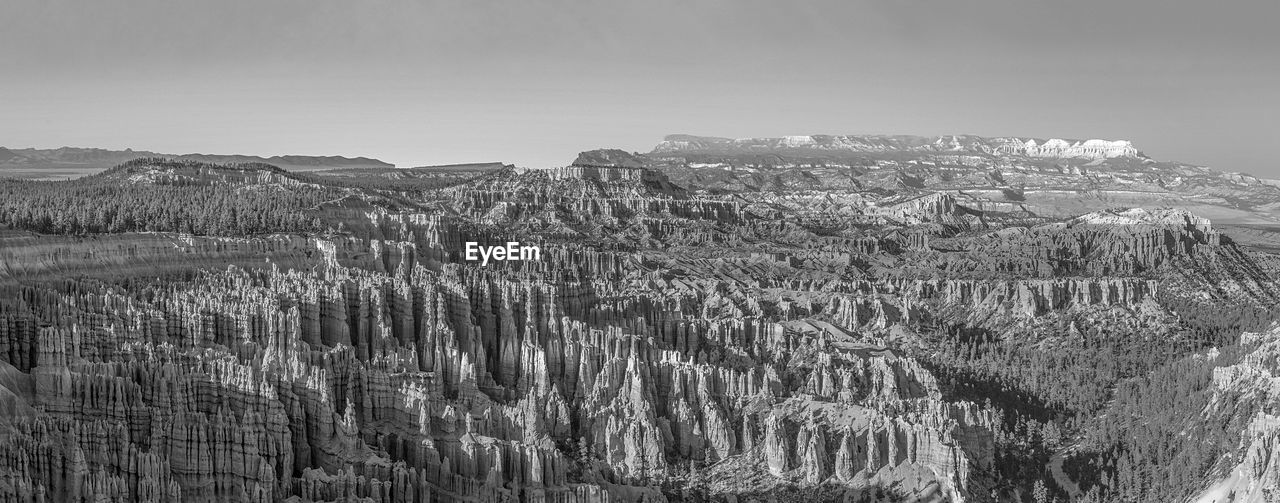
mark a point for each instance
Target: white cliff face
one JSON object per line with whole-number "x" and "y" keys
{"x": 1090, "y": 149}
{"x": 1256, "y": 479}
{"x": 798, "y": 141}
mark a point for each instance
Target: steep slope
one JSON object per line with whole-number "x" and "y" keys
{"x": 1248, "y": 388}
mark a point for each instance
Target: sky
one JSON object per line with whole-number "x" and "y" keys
{"x": 534, "y": 82}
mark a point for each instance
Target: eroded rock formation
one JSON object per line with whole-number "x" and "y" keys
{"x": 666, "y": 344}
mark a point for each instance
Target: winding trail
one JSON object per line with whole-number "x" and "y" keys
{"x": 1064, "y": 481}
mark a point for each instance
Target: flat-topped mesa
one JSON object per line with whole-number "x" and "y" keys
{"x": 965, "y": 144}
{"x": 1195, "y": 226}
{"x": 609, "y": 157}
{"x": 159, "y": 170}
{"x": 610, "y": 165}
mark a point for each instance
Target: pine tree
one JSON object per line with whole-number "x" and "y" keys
{"x": 1051, "y": 434}
{"x": 1039, "y": 492}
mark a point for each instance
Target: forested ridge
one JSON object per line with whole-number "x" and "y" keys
{"x": 1159, "y": 438}
{"x": 108, "y": 203}
{"x": 1127, "y": 399}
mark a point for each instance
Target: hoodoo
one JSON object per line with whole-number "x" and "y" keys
{"x": 622, "y": 329}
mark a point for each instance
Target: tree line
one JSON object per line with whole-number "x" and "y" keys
{"x": 107, "y": 204}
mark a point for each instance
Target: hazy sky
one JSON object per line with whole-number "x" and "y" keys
{"x": 535, "y": 82}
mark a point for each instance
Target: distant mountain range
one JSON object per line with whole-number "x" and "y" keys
{"x": 864, "y": 144}
{"x": 1051, "y": 178}
{"x": 83, "y": 161}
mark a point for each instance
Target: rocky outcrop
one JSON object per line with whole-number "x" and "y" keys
{"x": 608, "y": 158}
{"x": 1255, "y": 476}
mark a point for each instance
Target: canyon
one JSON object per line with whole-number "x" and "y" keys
{"x": 807, "y": 318}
